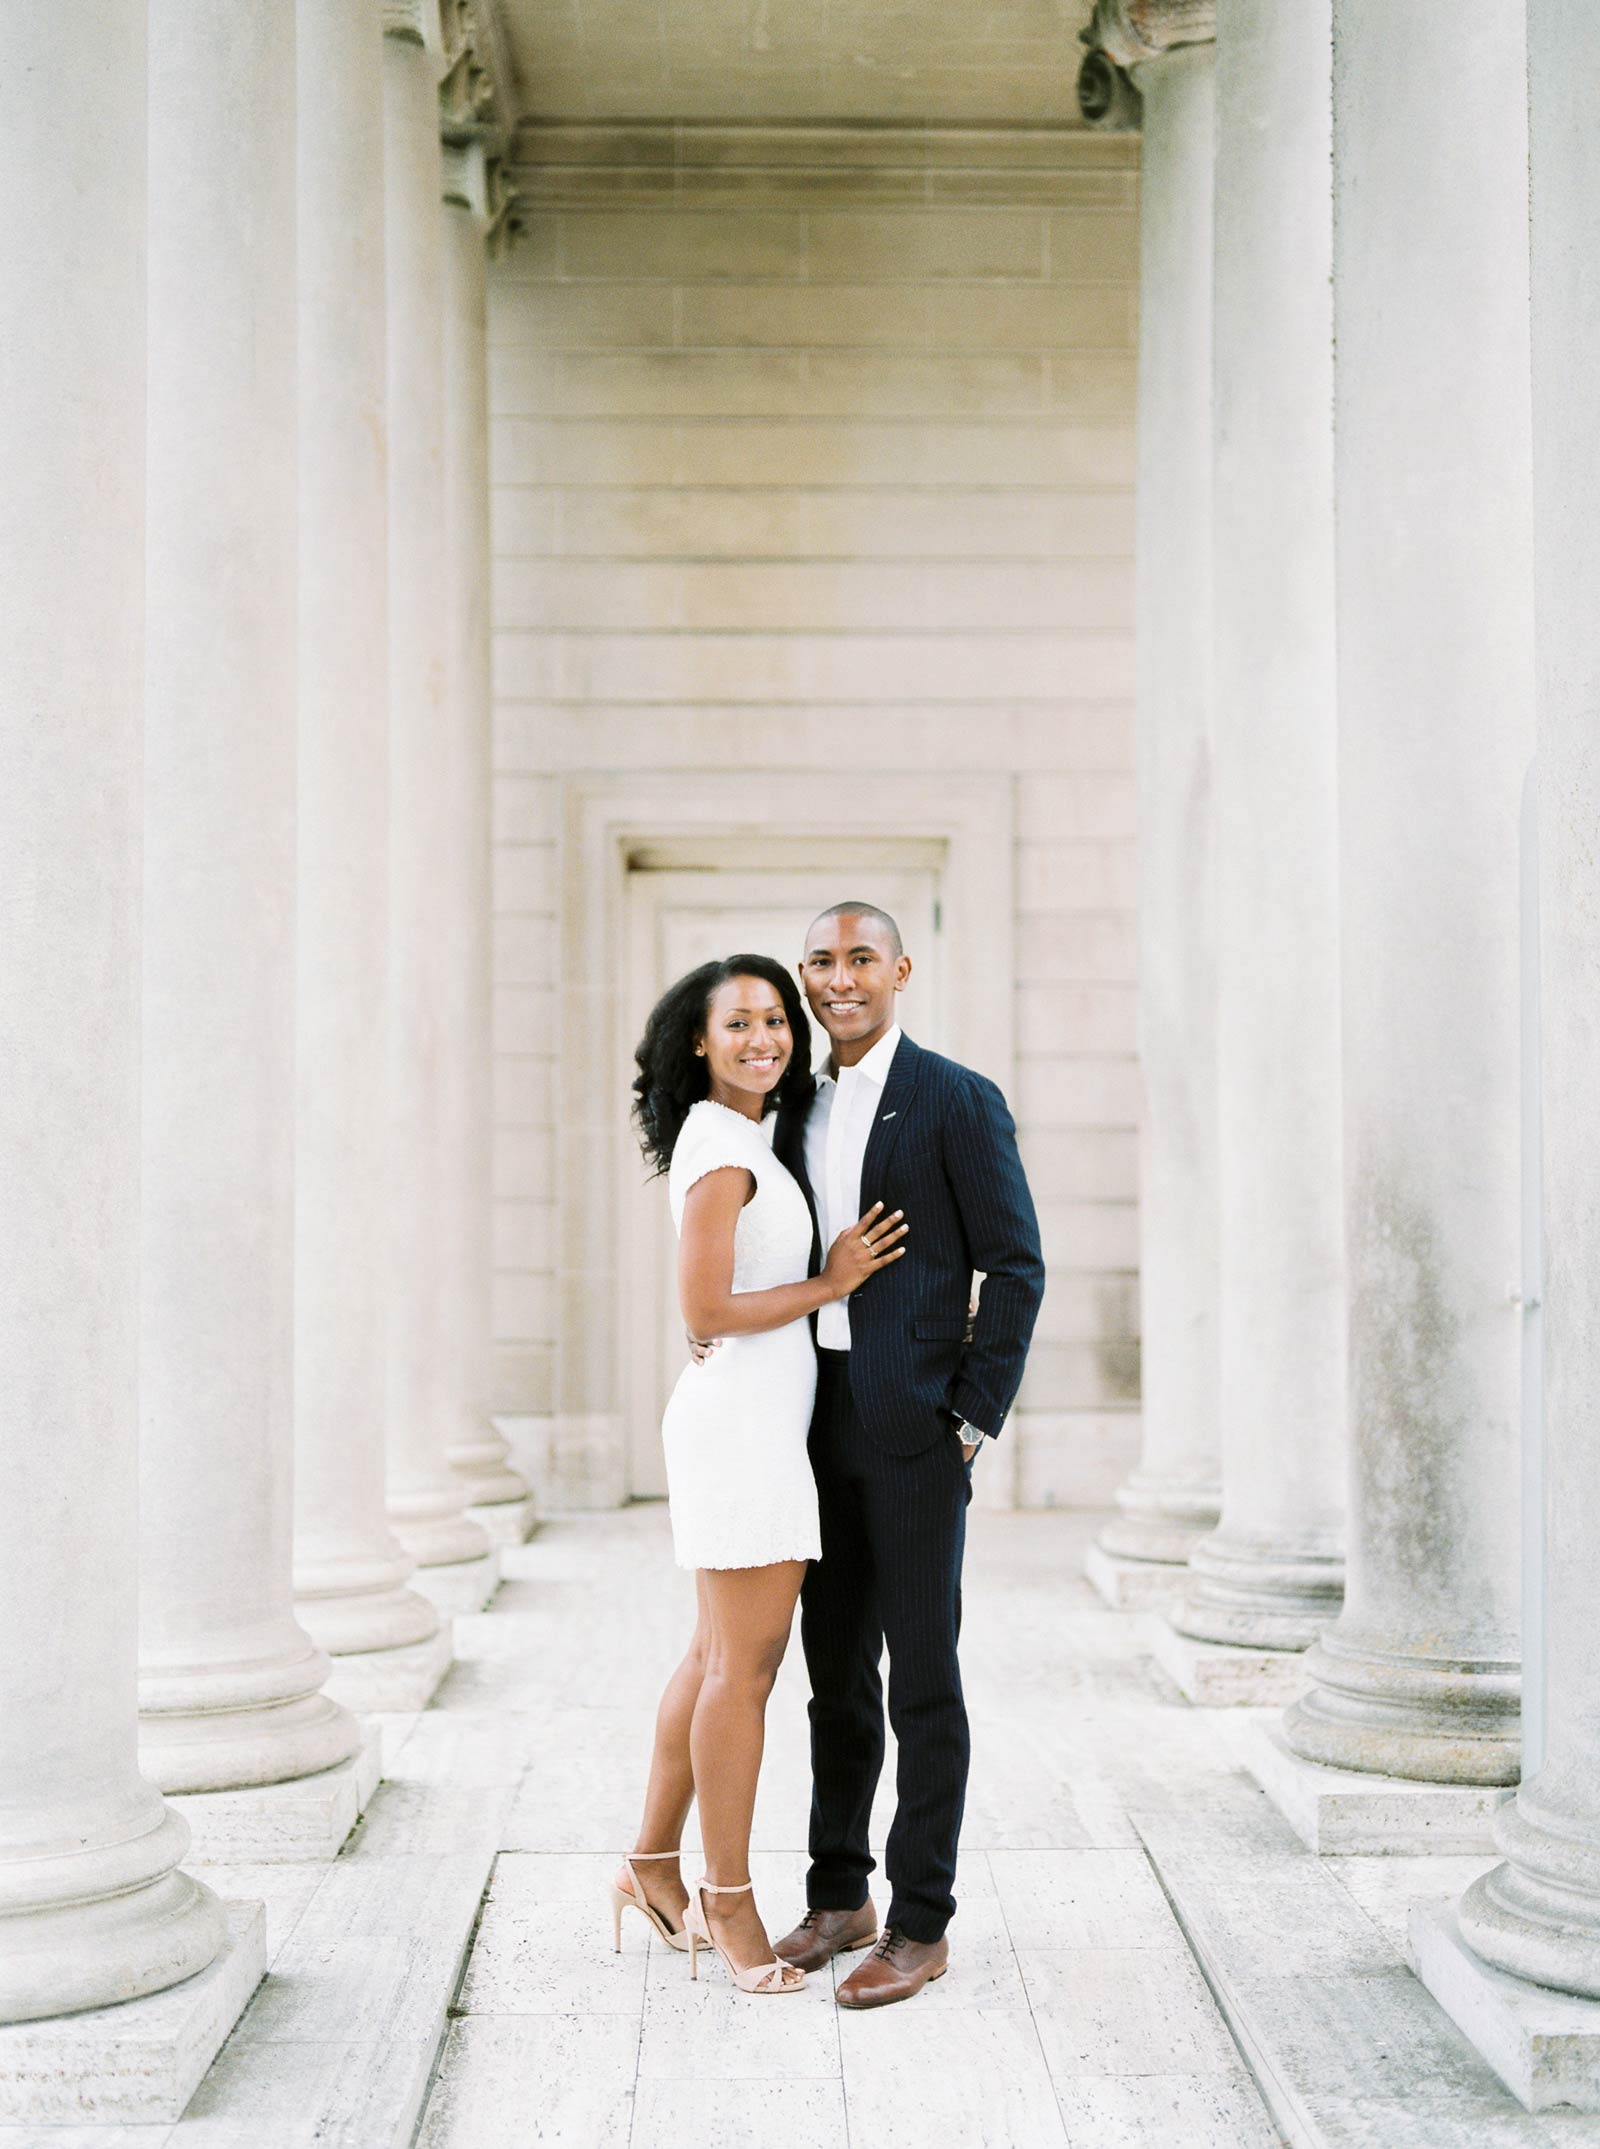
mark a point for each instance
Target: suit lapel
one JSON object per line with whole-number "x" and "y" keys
{"x": 893, "y": 1107}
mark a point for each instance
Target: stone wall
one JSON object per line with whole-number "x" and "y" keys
{"x": 813, "y": 448}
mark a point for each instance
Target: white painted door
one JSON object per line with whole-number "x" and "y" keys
{"x": 679, "y": 917}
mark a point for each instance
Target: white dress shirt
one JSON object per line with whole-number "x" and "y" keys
{"x": 841, "y": 1119}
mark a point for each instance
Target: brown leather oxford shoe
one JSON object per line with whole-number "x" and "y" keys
{"x": 822, "y": 1934}
{"x": 897, "y": 1969}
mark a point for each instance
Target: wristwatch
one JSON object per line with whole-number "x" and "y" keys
{"x": 969, "y": 1435}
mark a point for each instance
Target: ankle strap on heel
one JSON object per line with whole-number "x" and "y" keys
{"x": 710, "y": 1887}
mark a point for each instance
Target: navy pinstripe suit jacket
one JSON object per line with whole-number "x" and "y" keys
{"x": 944, "y": 1149}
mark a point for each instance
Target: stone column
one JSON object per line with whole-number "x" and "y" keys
{"x": 231, "y": 1684}
{"x": 1271, "y": 1576}
{"x": 1172, "y": 1498}
{"x": 350, "y": 1570}
{"x": 93, "y": 1907}
{"x": 1538, "y": 1915}
{"x": 427, "y": 1500}
{"x": 1419, "y": 1678}
{"x": 499, "y": 1497}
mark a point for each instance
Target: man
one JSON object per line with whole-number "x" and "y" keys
{"x": 908, "y": 1389}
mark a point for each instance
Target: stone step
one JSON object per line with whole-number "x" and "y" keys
{"x": 1348, "y": 2049}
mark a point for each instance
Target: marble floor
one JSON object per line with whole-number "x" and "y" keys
{"x": 1134, "y": 1919}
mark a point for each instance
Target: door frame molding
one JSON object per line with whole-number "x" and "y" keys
{"x": 604, "y": 818}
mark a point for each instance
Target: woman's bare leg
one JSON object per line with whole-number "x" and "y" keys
{"x": 751, "y": 1611}
{"x": 670, "y": 1791}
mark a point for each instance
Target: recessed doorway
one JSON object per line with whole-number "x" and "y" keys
{"x": 806, "y": 846}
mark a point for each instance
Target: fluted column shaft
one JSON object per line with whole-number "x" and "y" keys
{"x": 1538, "y": 1915}
{"x": 1419, "y": 1676}
{"x": 475, "y": 1449}
{"x": 92, "y": 1906}
{"x": 350, "y": 1569}
{"x": 1172, "y": 1497}
{"x": 1271, "y": 1576}
{"x": 230, "y": 1684}
{"x": 427, "y": 1499}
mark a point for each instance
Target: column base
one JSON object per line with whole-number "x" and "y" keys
{"x": 1545, "y": 2046}
{"x": 508, "y": 1522}
{"x": 483, "y": 1467}
{"x": 140, "y": 2062}
{"x": 1131, "y": 1585}
{"x": 343, "y": 1626}
{"x": 491, "y": 1483}
{"x": 1163, "y": 1517}
{"x": 462, "y": 1585}
{"x": 283, "y": 1823}
{"x": 1536, "y": 1917}
{"x": 1166, "y": 1538}
{"x": 1214, "y": 1676}
{"x": 219, "y": 1727}
{"x": 393, "y": 1682}
{"x": 1387, "y": 1713}
{"x": 1350, "y": 1813}
{"x": 102, "y": 1911}
{"x": 1253, "y": 1595}
{"x": 429, "y": 1516}
{"x": 570, "y": 1462}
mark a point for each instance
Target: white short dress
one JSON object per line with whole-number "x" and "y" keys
{"x": 738, "y": 1476}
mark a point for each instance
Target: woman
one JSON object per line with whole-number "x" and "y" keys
{"x": 727, "y": 1044}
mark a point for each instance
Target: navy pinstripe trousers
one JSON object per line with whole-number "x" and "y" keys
{"x": 893, "y": 1532}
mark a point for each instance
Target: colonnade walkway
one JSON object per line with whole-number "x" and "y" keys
{"x": 1145, "y": 1956}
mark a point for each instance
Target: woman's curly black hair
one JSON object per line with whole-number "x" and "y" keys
{"x": 673, "y": 1076}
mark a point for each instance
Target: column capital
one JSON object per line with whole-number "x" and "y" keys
{"x": 476, "y": 121}
{"x": 1124, "y": 34}
{"x": 1108, "y": 96}
{"x": 475, "y": 179}
{"x": 1129, "y": 32}
{"x": 475, "y": 90}
{"x": 417, "y": 22}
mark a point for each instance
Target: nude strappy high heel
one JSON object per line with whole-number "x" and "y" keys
{"x": 633, "y": 1898}
{"x": 757, "y": 1980}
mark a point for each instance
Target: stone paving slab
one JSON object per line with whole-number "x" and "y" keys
{"x": 501, "y": 2076}
{"x": 1388, "y": 1889}
{"x": 736, "y": 2115}
{"x": 1137, "y": 1920}
{"x": 1073, "y": 2012}
{"x": 1347, "y": 2047}
{"x": 1212, "y": 2111}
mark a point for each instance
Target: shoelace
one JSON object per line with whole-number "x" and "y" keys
{"x": 887, "y": 1945}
